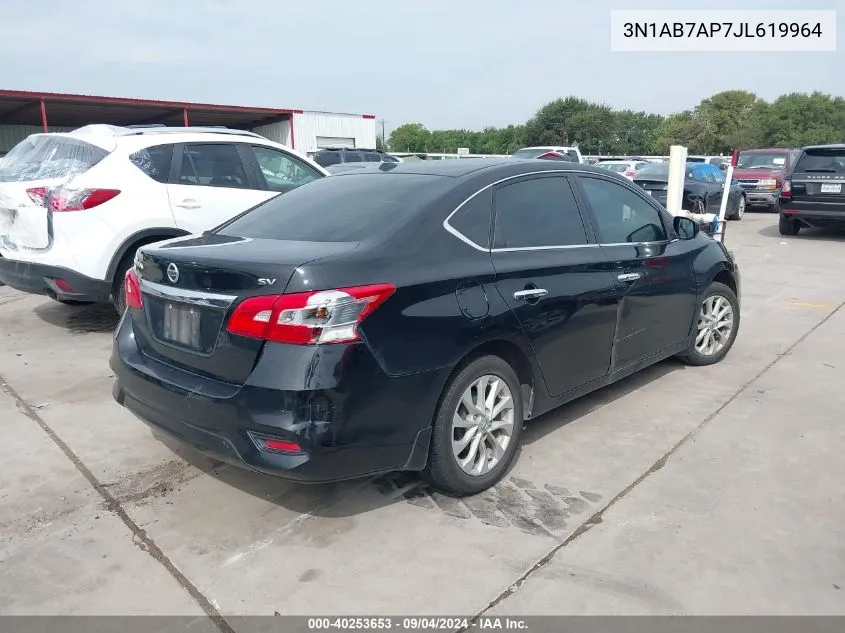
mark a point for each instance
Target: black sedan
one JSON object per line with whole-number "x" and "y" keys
{"x": 703, "y": 187}
{"x": 413, "y": 316}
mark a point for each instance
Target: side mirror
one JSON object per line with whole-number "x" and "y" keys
{"x": 685, "y": 228}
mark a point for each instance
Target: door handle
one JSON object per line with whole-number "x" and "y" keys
{"x": 530, "y": 293}
{"x": 189, "y": 204}
{"x": 628, "y": 276}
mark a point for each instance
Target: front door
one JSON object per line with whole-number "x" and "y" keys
{"x": 211, "y": 186}
{"x": 652, "y": 271}
{"x": 553, "y": 276}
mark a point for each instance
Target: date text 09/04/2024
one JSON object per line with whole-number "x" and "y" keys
{"x": 416, "y": 624}
{"x": 721, "y": 29}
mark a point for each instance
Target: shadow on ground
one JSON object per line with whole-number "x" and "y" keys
{"x": 79, "y": 319}
{"x": 827, "y": 234}
{"x": 532, "y": 507}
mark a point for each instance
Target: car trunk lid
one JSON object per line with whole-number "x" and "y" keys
{"x": 189, "y": 287}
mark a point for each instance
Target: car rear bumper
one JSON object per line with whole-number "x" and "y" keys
{"x": 815, "y": 216}
{"x": 54, "y": 281}
{"x": 761, "y": 198}
{"x": 365, "y": 423}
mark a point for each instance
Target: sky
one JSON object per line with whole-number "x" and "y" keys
{"x": 443, "y": 63}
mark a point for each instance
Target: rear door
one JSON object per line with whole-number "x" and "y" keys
{"x": 652, "y": 271}
{"x": 555, "y": 279}
{"x": 27, "y": 173}
{"x": 818, "y": 183}
{"x": 210, "y": 184}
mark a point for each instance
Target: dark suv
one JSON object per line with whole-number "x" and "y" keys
{"x": 337, "y": 155}
{"x": 813, "y": 193}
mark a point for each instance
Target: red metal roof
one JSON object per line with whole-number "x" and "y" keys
{"x": 24, "y": 108}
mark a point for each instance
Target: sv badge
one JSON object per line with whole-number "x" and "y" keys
{"x": 263, "y": 281}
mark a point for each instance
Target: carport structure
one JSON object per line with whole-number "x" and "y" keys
{"x": 46, "y": 109}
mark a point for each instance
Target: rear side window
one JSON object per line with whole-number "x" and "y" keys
{"x": 822, "y": 160}
{"x": 154, "y": 161}
{"x": 473, "y": 219}
{"x": 42, "y": 157}
{"x": 213, "y": 165}
{"x": 372, "y": 157}
{"x": 537, "y": 212}
{"x": 327, "y": 159}
{"x": 353, "y": 157}
{"x": 342, "y": 208}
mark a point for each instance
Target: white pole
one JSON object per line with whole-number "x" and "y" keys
{"x": 675, "y": 186}
{"x": 723, "y": 208}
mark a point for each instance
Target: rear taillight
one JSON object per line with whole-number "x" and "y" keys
{"x": 308, "y": 318}
{"x": 133, "y": 290}
{"x": 80, "y": 199}
{"x": 786, "y": 189}
{"x": 37, "y": 195}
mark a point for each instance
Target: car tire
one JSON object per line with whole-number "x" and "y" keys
{"x": 718, "y": 304}
{"x": 451, "y": 467}
{"x": 740, "y": 209}
{"x": 119, "y": 283}
{"x": 788, "y": 226}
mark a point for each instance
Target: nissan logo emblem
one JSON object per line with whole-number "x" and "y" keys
{"x": 172, "y": 273}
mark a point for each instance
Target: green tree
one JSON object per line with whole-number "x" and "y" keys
{"x": 410, "y": 137}
{"x": 683, "y": 128}
{"x": 728, "y": 118}
{"x": 797, "y": 119}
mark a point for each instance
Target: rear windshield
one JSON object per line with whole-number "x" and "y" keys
{"x": 762, "y": 160}
{"x": 529, "y": 153}
{"x": 657, "y": 170}
{"x": 45, "y": 157}
{"x": 341, "y": 208}
{"x": 617, "y": 167}
{"x": 830, "y": 161}
{"x": 324, "y": 159}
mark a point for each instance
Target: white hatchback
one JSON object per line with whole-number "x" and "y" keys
{"x": 75, "y": 207}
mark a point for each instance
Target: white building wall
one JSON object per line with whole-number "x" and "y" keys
{"x": 310, "y": 127}
{"x": 277, "y": 132}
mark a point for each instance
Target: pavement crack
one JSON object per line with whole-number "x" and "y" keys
{"x": 598, "y": 517}
{"x": 139, "y": 536}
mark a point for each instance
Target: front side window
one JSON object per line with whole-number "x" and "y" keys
{"x": 621, "y": 215}
{"x": 536, "y": 213}
{"x": 213, "y": 165}
{"x": 327, "y": 159}
{"x": 282, "y": 172}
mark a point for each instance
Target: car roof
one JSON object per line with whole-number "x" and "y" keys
{"x": 506, "y": 167}
{"x": 830, "y": 146}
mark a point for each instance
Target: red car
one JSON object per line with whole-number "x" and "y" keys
{"x": 760, "y": 173}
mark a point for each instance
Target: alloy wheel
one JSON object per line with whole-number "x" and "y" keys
{"x": 483, "y": 425}
{"x": 740, "y": 208}
{"x": 715, "y": 325}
